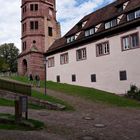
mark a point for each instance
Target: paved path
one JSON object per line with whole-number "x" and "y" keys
{"x": 90, "y": 121}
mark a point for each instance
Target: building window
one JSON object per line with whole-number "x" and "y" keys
{"x": 93, "y": 77}
{"x": 133, "y": 15}
{"x": 51, "y": 62}
{"x": 34, "y": 41}
{"x": 24, "y": 9}
{"x": 73, "y": 78}
{"x": 24, "y": 46}
{"x": 58, "y": 78}
{"x": 123, "y": 75}
{"x": 81, "y": 54}
{"x": 130, "y": 41}
{"x": 137, "y": 14}
{"x": 84, "y": 23}
{"x": 111, "y": 24}
{"x": 64, "y": 58}
{"x": 102, "y": 49}
{"x": 33, "y": 25}
{"x": 90, "y": 32}
{"x": 33, "y": 7}
{"x": 23, "y": 27}
{"x": 70, "y": 39}
{"x": 50, "y": 31}
{"x": 120, "y": 8}
{"x": 79, "y": 25}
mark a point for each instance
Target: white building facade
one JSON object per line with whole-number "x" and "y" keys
{"x": 108, "y": 60}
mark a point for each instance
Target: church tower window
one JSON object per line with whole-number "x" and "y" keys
{"x": 50, "y": 31}
{"x": 34, "y": 25}
{"x": 33, "y": 7}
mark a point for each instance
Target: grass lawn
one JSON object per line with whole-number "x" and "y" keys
{"x": 6, "y": 102}
{"x": 88, "y": 93}
{"x": 39, "y": 95}
{"x": 7, "y": 122}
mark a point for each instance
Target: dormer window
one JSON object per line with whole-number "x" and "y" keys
{"x": 119, "y": 18}
{"x": 77, "y": 34}
{"x": 111, "y": 24}
{"x": 84, "y": 23}
{"x": 122, "y": 7}
{"x": 79, "y": 25}
{"x": 90, "y": 32}
{"x": 97, "y": 27}
{"x": 133, "y": 15}
{"x": 125, "y": 4}
{"x": 137, "y": 14}
{"x": 70, "y": 39}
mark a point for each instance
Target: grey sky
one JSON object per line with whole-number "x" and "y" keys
{"x": 69, "y": 12}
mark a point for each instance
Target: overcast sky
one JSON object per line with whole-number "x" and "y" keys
{"x": 69, "y": 12}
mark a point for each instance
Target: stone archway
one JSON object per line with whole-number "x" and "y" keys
{"x": 24, "y": 66}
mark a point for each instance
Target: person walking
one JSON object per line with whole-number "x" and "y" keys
{"x": 37, "y": 78}
{"x": 31, "y": 79}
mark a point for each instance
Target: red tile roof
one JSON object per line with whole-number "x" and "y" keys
{"x": 100, "y": 16}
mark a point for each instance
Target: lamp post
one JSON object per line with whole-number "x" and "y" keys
{"x": 45, "y": 77}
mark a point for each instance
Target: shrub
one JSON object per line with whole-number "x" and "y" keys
{"x": 134, "y": 92}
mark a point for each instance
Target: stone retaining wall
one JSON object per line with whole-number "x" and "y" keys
{"x": 48, "y": 105}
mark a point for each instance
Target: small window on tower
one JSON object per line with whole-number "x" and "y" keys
{"x": 34, "y": 41}
{"x": 36, "y": 24}
{"x": 33, "y": 25}
{"x": 24, "y": 46}
{"x": 36, "y": 7}
{"x": 50, "y": 33}
{"x": 31, "y": 7}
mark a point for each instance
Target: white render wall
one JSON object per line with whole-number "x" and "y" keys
{"x": 105, "y": 67}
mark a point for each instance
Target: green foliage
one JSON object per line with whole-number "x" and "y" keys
{"x": 93, "y": 94}
{"x": 6, "y": 102}
{"x": 89, "y": 93}
{"x": 7, "y": 122}
{"x": 3, "y": 65}
{"x": 41, "y": 96}
{"x": 134, "y": 92}
{"x": 8, "y": 54}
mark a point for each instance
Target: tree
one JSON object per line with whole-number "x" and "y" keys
{"x": 3, "y": 65}
{"x": 8, "y": 57}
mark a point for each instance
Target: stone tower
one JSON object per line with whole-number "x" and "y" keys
{"x": 39, "y": 30}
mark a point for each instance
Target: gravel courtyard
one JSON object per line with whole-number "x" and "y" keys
{"x": 89, "y": 121}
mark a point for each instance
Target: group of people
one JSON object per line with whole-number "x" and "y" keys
{"x": 36, "y": 78}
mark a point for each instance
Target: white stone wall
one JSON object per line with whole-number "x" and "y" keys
{"x": 105, "y": 67}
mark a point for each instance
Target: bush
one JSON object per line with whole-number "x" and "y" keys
{"x": 134, "y": 92}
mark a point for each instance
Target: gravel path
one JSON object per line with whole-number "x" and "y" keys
{"x": 90, "y": 121}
